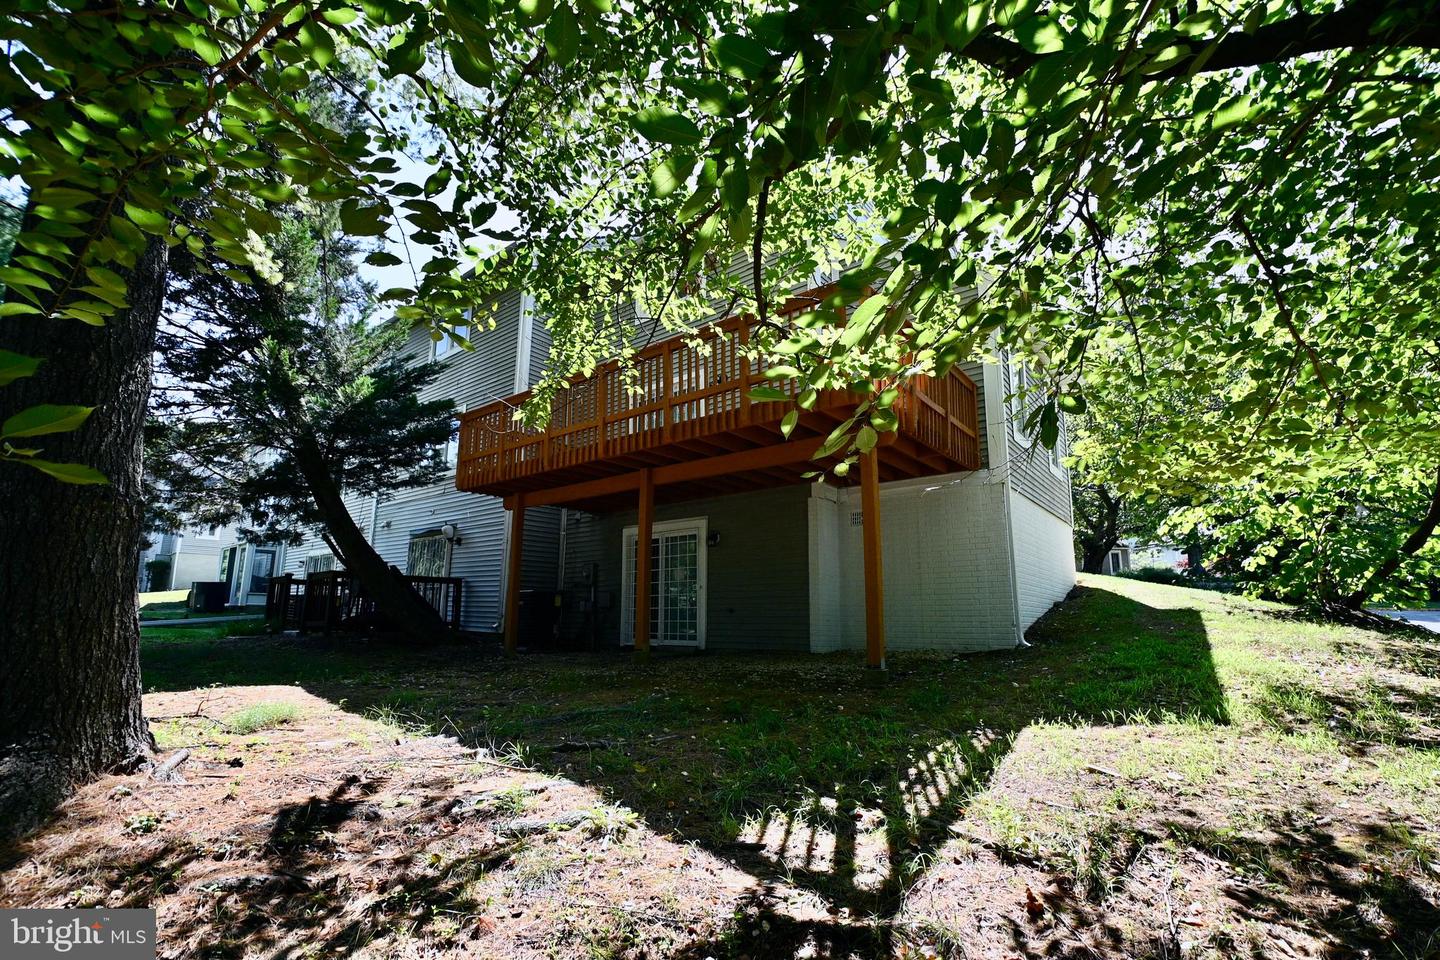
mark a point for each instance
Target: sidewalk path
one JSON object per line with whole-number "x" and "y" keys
{"x": 1428, "y": 619}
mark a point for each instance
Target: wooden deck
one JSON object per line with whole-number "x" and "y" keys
{"x": 683, "y": 412}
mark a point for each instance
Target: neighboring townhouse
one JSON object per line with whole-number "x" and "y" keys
{"x": 196, "y": 554}
{"x": 439, "y": 531}
{"x": 954, "y": 533}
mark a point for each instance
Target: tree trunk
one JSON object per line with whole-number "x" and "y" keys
{"x": 1093, "y": 556}
{"x": 1417, "y": 539}
{"x": 69, "y": 556}
{"x": 1103, "y": 533}
{"x": 393, "y": 597}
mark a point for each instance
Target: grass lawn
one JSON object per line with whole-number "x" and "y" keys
{"x": 1165, "y": 772}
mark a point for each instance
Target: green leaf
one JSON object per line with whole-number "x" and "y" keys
{"x": 471, "y": 70}
{"x": 44, "y": 418}
{"x": 670, "y": 173}
{"x": 866, "y": 439}
{"x": 787, "y": 424}
{"x": 863, "y": 319}
{"x": 562, "y": 35}
{"x": 206, "y": 48}
{"x": 20, "y": 277}
{"x": 764, "y": 394}
{"x": 316, "y": 41}
{"x": 360, "y": 221}
{"x": 535, "y": 11}
{"x": 67, "y": 472}
{"x": 662, "y": 125}
{"x": 381, "y": 258}
{"x": 16, "y": 309}
{"x": 13, "y": 366}
{"x": 741, "y": 57}
{"x": 151, "y": 221}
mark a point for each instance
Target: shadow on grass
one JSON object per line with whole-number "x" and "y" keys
{"x": 786, "y": 766}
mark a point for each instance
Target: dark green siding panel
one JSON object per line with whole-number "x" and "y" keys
{"x": 757, "y": 593}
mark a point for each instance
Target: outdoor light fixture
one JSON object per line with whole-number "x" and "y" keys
{"x": 451, "y": 532}
{"x": 712, "y": 539}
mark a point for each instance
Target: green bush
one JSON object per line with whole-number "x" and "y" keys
{"x": 1164, "y": 575}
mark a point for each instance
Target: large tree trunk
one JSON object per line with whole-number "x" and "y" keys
{"x": 393, "y": 597}
{"x": 1417, "y": 539}
{"x": 1103, "y": 532}
{"x": 1093, "y": 554}
{"x": 69, "y": 555}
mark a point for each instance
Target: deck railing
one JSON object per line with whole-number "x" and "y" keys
{"x": 330, "y": 599}
{"x": 680, "y": 389}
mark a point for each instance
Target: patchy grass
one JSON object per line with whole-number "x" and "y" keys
{"x": 1164, "y": 772}
{"x": 261, "y": 716}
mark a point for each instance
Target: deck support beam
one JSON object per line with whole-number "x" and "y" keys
{"x": 874, "y": 568}
{"x": 644, "y": 525}
{"x": 516, "y": 505}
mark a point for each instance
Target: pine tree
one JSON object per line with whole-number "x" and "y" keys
{"x": 277, "y": 395}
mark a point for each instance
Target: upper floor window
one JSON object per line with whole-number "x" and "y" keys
{"x": 1026, "y": 397}
{"x": 449, "y": 454}
{"x": 1020, "y": 401}
{"x": 447, "y": 344}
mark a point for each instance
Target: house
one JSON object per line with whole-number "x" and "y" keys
{"x": 971, "y": 521}
{"x": 1117, "y": 560}
{"x": 177, "y": 559}
{"x": 953, "y": 533}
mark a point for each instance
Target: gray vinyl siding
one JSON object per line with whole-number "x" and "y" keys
{"x": 757, "y": 593}
{"x": 1028, "y": 461}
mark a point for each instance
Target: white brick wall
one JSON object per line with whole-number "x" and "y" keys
{"x": 1044, "y": 557}
{"x": 947, "y": 585}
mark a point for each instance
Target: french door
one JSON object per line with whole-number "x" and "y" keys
{"x": 677, "y": 583}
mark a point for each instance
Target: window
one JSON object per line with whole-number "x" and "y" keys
{"x": 1026, "y": 397}
{"x": 429, "y": 555}
{"x": 227, "y": 562}
{"x": 448, "y": 454}
{"x": 447, "y": 344}
{"x": 1020, "y": 400}
{"x": 319, "y": 563}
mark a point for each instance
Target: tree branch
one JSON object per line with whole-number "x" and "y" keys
{"x": 1364, "y": 23}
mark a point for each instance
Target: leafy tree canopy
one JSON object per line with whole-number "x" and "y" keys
{"x": 1085, "y": 167}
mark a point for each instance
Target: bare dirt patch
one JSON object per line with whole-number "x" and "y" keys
{"x": 332, "y": 834}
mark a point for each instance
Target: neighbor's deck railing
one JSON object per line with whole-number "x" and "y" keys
{"x": 328, "y": 599}
{"x": 678, "y": 391}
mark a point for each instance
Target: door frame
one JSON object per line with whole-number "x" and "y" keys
{"x": 701, "y": 525}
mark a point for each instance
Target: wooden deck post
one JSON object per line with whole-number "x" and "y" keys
{"x": 874, "y": 569}
{"x": 512, "y": 574}
{"x": 644, "y": 524}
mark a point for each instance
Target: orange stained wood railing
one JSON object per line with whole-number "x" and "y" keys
{"x": 678, "y": 391}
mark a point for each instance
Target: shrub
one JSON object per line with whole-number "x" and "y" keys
{"x": 1157, "y": 575}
